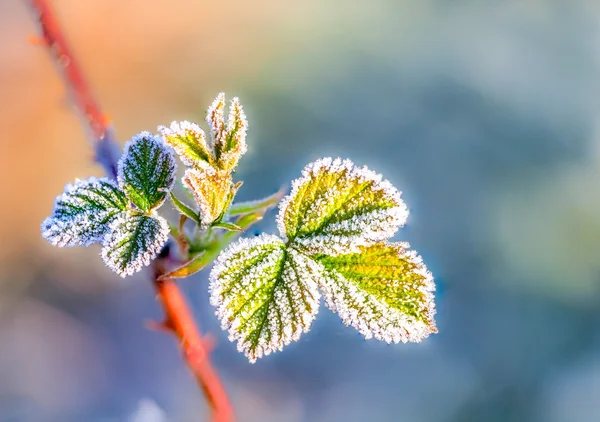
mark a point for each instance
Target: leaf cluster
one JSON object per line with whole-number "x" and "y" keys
{"x": 333, "y": 244}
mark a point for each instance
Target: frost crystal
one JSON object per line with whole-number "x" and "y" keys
{"x": 134, "y": 241}
{"x": 82, "y": 214}
{"x": 216, "y": 120}
{"x": 146, "y": 171}
{"x": 336, "y": 206}
{"x": 265, "y": 295}
{"x": 211, "y": 189}
{"x": 211, "y": 164}
{"x": 229, "y": 140}
{"x": 189, "y": 142}
{"x": 97, "y": 210}
{"x": 335, "y": 224}
{"x": 384, "y": 291}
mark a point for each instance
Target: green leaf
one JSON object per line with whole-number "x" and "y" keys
{"x": 229, "y": 140}
{"x": 265, "y": 295}
{"x": 229, "y": 200}
{"x": 83, "y": 213}
{"x": 184, "y": 209}
{"x": 146, "y": 171}
{"x": 189, "y": 142}
{"x": 211, "y": 189}
{"x": 133, "y": 242}
{"x": 240, "y": 208}
{"x": 384, "y": 291}
{"x": 227, "y": 226}
{"x": 191, "y": 267}
{"x": 336, "y": 206}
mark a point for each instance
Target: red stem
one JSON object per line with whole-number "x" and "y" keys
{"x": 94, "y": 121}
{"x": 178, "y": 317}
{"x": 180, "y": 321}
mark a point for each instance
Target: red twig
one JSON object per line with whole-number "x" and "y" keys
{"x": 196, "y": 349}
{"x": 94, "y": 121}
{"x": 178, "y": 318}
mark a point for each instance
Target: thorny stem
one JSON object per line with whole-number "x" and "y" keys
{"x": 178, "y": 317}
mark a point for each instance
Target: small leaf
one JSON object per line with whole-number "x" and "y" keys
{"x": 247, "y": 220}
{"x": 133, "y": 242}
{"x": 191, "y": 267}
{"x": 229, "y": 200}
{"x": 83, "y": 213}
{"x": 211, "y": 189}
{"x": 240, "y": 208}
{"x": 146, "y": 171}
{"x": 336, "y": 206}
{"x": 266, "y": 296}
{"x": 384, "y": 291}
{"x": 216, "y": 120}
{"x": 189, "y": 142}
{"x": 229, "y": 141}
{"x": 227, "y": 226}
{"x": 184, "y": 209}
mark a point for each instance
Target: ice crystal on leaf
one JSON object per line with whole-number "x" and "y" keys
{"x": 229, "y": 140}
{"x": 336, "y": 206}
{"x": 146, "y": 171}
{"x": 133, "y": 242}
{"x": 215, "y": 117}
{"x": 334, "y": 225}
{"x": 83, "y": 212}
{"x": 211, "y": 189}
{"x": 384, "y": 291}
{"x": 209, "y": 177}
{"x": 265, "y": 294}
{"x": 189, "y": 142}
{"x": 121, "y": 216}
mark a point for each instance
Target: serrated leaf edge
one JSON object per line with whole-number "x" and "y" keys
{"x": 397, "y": 215}
{"x": 146, "y": 257}
{"x": 126, "y": 150}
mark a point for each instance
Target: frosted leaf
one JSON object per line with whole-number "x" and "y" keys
{"x": 83, "y": 212}
{"x": 229, "y": 140}
{"x": 189, "y": 142}
{"x": 216, "y": 120}
{"x": 335, "y": 207}
{"x": 146, "y": 171}
{"x": 265, "y": 295}
{"x": 211, "y": 189}
{"x": 384, "y": 291}
{"x": 133, "y": 242}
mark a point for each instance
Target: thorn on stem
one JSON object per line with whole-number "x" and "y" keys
{"x": 161, "y": 327}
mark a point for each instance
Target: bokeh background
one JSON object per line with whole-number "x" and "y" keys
{"x": 485, "y": 114}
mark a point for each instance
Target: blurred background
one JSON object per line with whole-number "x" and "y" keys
{"x": 484, "y": 113}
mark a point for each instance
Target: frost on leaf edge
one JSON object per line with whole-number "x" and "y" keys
{"x": 164, "y": 149}
{"x": 340, "y": 244}
{"x": 180, "y": 129}
{"x": 147, "y": 256}
{"x": 55, "y": 230}
{"x": 398, "y": 327}
{"x": 289, "y": 333}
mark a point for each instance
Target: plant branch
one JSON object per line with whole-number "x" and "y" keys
{"x": 94, "y": 121}
{"x": 196, "y": 349}
{"x": 178, "y": 317}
